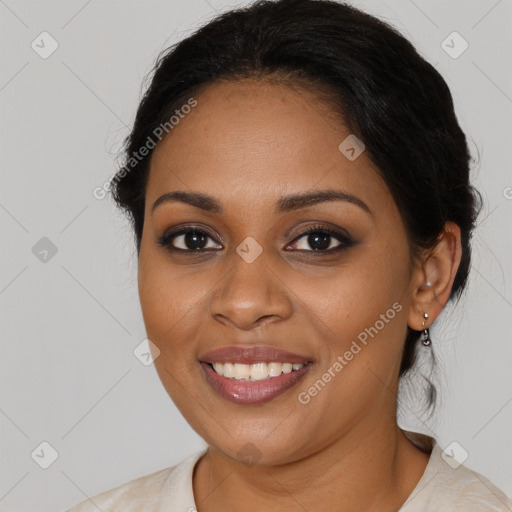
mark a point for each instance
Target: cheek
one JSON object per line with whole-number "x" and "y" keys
{"x": 159, "y": 301}
{"x": 171, "y": 299}
{"x": 360, "y": 313}
{"x": 170, "y": 304}
{"x": 356, "y": 293}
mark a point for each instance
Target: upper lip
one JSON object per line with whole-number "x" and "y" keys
{"x": 251, "y": 354}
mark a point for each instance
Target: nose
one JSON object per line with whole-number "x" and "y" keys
{"x": 250, "y": 295}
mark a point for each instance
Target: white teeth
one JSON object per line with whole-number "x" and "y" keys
{"x": 229, "y": 370}
{"x": 274, "y": 369}
{"x": 287, "y": 367}
{"x": 257, "y": 371}
{"x": 242, "y": 371}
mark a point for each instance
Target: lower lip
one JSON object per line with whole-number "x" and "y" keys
{"x": 252, "y": 392}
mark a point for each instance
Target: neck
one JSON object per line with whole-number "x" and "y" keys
{"x": 365, "y": 470}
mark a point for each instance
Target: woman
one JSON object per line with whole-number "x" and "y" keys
{"x": 299, "y": 190}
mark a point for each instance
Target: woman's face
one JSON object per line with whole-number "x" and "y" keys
{"x": 337, "y": 301}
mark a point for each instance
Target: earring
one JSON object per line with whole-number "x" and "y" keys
{"x": 426, "y": 333}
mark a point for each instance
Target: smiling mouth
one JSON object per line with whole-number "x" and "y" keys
{"x": 251, "y": 374}
{"x": 252, "y": 383}
{"x": 257, "y": 371}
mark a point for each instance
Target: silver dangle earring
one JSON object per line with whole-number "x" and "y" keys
{"x": 426, "y": 333}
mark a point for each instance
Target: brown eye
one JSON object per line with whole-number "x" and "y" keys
{"x": 188, "y": 239}
{"x": 321, "y": 239}
{"x": 318, "y": 241}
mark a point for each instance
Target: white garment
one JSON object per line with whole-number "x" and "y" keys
{"x": 440, "y": 489}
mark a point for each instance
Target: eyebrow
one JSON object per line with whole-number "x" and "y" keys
{"x": 285, "y": 204}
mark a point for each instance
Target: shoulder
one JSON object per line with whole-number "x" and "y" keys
{"x": 144, "y": 490}
{"x": 164, "y": 488}
{"x": 448, "y": 485}
{"x": 472, "y": 491}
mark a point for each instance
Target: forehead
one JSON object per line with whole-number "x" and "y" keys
{"x": 253, "y": 141}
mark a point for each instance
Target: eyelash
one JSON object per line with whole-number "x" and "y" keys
{"x": 345, "y": 241}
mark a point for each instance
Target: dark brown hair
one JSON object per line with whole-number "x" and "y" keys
{"x": 388, "y": 95}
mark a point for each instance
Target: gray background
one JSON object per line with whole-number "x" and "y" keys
{"x": 69, "y": 324}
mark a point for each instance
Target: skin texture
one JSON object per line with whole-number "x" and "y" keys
{"x": 247, "y": 144}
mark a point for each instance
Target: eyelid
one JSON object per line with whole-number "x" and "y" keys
{"x": 344, "y": 239}
{"x": 170, "y": 235}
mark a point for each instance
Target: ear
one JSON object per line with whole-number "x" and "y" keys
{"x": 433, "y": 277}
